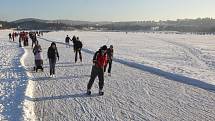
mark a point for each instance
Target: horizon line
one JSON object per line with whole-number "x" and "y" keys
{"x": 110, "y": 21}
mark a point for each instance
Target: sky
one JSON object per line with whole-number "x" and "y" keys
{"x": 106, "y": 10}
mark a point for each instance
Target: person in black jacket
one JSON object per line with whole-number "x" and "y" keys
{"x": 67, "y": 39}
{"x": 74, "y": 39}
{"x": 10, "y": 36}
{"x": 52, "y": 55}
{"x": 110, "y": 59}
{"x": 77, "y": 46}
{"x": 34, "y": 40}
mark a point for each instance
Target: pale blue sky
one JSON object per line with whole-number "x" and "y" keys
{"x": 106, "y": 10}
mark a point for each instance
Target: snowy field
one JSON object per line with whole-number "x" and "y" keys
{"x": 188, "y": 55}
{"x": 155, "y": 77}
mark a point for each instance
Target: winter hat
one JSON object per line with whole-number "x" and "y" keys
{"x": 104, "y": 47}
{"x": 53, "y": 44}
{"x": 111, "y": 46}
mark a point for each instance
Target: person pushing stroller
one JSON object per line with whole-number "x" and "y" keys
{"x": 37, "y": 50}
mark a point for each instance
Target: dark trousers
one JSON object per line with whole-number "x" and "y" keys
{"x": 109, "y": 67}
{"x": 76, "y": 55}
{"x": 33, "y": 43}
{"x": 26, "y": 42}
{"x": 20, "y": 43}
{"x": 38, "y": 63}
{"x": 52, "y": 63}
{"x": 94, "y": 73}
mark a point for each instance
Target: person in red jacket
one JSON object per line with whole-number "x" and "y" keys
{"x": 99, "y": 61}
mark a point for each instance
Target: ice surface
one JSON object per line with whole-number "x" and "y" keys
{"x": 154, "y": 77}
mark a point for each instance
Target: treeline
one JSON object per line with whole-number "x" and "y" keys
{"x": 4, "y": 25}
{"x": 189, "y": 25}
{"x": 181, "y": 25}
{"x": 35, "y": 25}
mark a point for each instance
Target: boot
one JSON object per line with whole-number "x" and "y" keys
{"x": 88, "y": 92}
{"x": 101, "y": 92}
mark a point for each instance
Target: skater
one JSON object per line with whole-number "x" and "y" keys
{"x": 38, "y": 57}
{"x": 67, "y": 39}
{"x": 99, "y": 61}
{"x": 20, "y": 41}
{"x": 74, "y": 40}
{"x": 34, "y": 40}
{"x": 10, "y": 36}
{"x": 78, "y": 45}
{"x": 25, "y": 40}
{"x": 52, "y": 55}
{"x": 110, "y": 59}
{"x": 13, "y": 36}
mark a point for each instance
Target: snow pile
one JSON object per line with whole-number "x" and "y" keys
{"x": 13, "y": 79}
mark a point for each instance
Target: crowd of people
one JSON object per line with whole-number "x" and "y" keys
{"x": 24, "y": 37}
{"x": 101, "y": 60}
{"x": 77, "y": 46}
{"x": 13, "y": 36}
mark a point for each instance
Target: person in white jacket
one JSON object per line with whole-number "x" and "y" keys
{"x": 38, "y": 57}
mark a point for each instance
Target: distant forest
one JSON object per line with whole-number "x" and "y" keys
{"x": 33, "y": 25}
{"x": 181, "y": 25}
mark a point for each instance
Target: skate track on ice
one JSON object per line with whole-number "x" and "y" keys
{"x": 133, "y": 92}
{"x": 159, "y": 72}
{"x": 190, "y": 51}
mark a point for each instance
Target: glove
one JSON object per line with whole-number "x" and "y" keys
{"x": 94, "y": 62}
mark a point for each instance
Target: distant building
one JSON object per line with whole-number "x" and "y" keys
{"x": 156, "y": 28}
{"x": 18, "y": 27}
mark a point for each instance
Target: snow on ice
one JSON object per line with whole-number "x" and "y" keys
{"x": 154, "y": 77}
